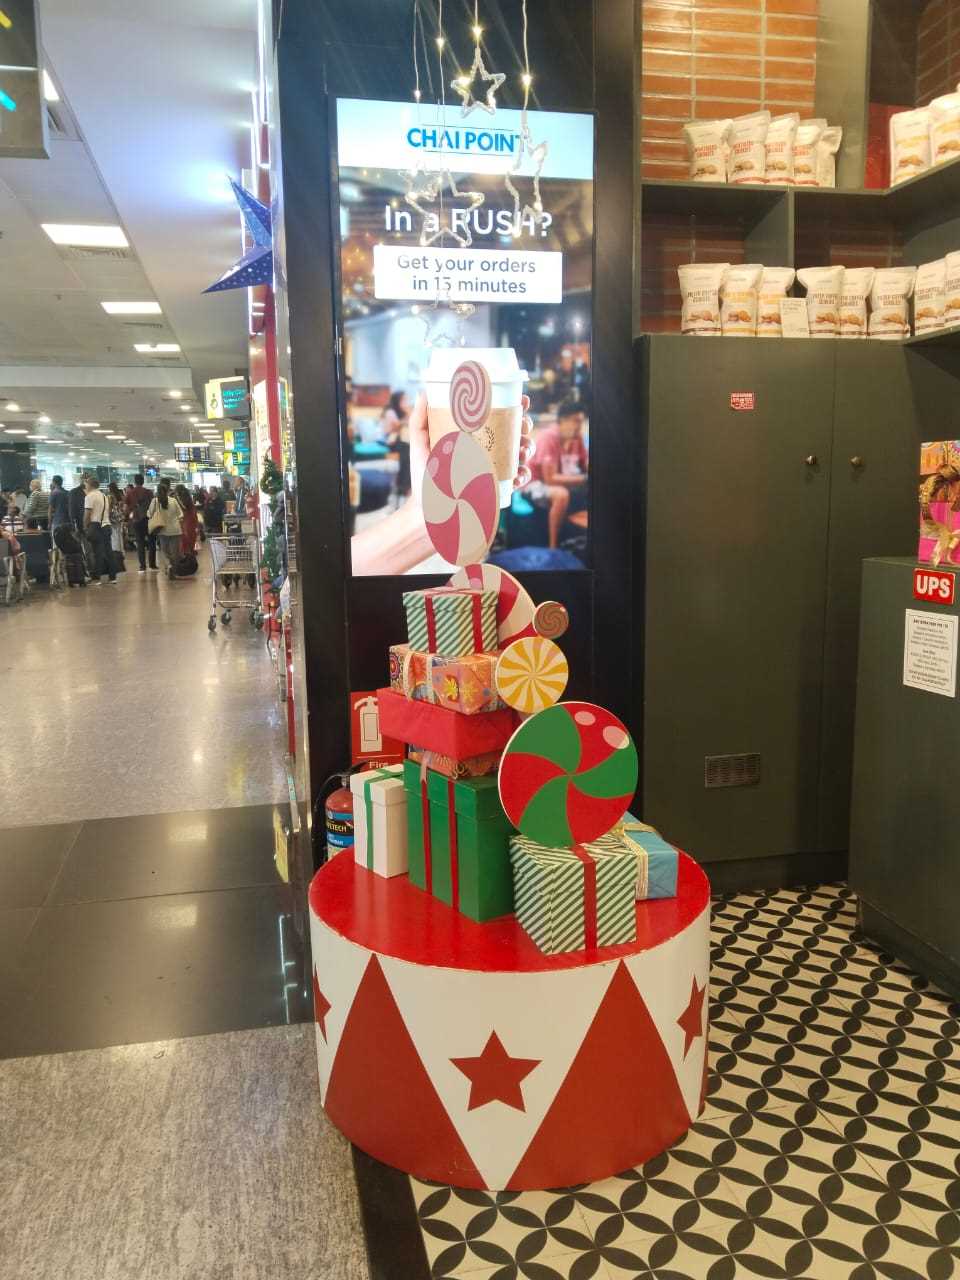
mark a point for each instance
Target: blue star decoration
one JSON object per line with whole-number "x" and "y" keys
{"x": 256, "y": 265}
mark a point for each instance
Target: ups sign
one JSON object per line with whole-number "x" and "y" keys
{"x": 23, "y": 115}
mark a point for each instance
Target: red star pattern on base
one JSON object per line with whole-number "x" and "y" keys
{"x": 321, "y": 1006}
{"x": 494, "y": 1076}
{"x": 691, "y": 1020}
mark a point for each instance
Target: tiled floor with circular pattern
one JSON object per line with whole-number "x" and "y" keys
{"x": 828, "y": 1149}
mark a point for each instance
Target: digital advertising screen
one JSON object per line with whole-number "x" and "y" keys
{"x": 444, "y": 263}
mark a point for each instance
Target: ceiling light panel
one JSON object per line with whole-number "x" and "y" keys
{"x": 132, "y": 308}
{"x": 86, "y": 237}
{"x": 49, "y": 88}
{"x": 156, "y": 348}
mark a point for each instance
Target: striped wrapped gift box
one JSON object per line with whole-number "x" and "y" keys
{"x": 575, "y": 899}
{"x": 451, "y": 621}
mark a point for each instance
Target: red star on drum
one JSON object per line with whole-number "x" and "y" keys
{"x": 494, "y": 1076}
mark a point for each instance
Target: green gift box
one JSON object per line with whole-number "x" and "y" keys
{"x": 451, "y": 621}
{"x": 576, "y": 899}
{"x": 458, "y": 839}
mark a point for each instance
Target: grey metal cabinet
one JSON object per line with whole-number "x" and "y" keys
{"x": 736, "y": 552}
{"x": 904, "y": 835}
{"x": 757, "y": 524}
{"x": 879, "y": 423}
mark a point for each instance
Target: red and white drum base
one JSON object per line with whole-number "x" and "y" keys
{"x": 460, "y": 1053}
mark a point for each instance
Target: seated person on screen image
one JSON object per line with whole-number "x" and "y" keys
{"x": 560, "y": 468}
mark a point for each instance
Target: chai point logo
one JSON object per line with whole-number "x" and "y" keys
{"x": 464, "y": 141}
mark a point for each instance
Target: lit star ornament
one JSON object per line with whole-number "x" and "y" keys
{"x": 537, "y": 154}
{"x": 447, "y": 219}
{"x": 464, "y": 86}
{"x": 256, "y": 265}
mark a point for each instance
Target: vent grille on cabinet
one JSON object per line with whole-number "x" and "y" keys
{"x": 731, "y": 771}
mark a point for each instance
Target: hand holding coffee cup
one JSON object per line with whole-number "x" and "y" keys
{"x": 480, "y": 390}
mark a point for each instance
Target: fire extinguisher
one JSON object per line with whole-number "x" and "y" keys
{"x": 338, "y": 821}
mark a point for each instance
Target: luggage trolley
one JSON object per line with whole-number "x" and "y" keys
{"x": 235, "y": 555}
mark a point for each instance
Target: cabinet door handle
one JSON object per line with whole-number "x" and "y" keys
{"x": 811, "y": 460}
{"x": 856, "y": 461}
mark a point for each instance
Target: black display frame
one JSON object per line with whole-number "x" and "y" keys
{"x": 585, "y": 59}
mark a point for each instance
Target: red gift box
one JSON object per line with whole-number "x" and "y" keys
{"x": 450, "y": 733}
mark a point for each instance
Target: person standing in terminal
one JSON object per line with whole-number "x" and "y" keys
{"x": 137, "y": 499}
{"x": 76, "y": 499}
{"x": 59, "y": 504}
{"x": 96, "y": 526}
{"x": 189, "y": 522}
{"x": 165, "y": 515}
{"x": 37, "y": 511}
{"x": 213, "y": 511}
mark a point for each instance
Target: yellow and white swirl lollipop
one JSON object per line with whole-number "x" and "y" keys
{"x": 532, "y": 674}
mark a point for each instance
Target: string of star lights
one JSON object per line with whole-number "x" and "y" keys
{"x": 463, "y": 84}
{"x": 535, "y": 152}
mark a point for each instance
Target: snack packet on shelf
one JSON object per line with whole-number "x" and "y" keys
{"x": 809, "y": 133}
{"x": 890, "y": 302}
{"x": 951, "y": 310}
{"x": 779, "y": 145}
{"x": 929, "y": 297}
{"x": 700, "y": 285}
{"x": 774, "y": 284}
{"x": 945, "y": 128}
{"x": 747, "y": 161}
{"x": 909, "y": 144}
{"x": 738, "y": 306}
{"x": 857, "y": 283}
{"x": 708, "y": 142}
{"x": 824, "y": 286}
{"x": 827, "y": 149}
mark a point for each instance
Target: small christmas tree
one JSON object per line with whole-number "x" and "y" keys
{"x": 271, "y": 480}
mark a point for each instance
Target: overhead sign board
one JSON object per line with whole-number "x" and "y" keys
{"x": 227, "y": 398}
{"x": 187, "y": 452}
{"x": 23, "y": 112}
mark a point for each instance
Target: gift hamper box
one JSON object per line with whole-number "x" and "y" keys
{"x": 451, "y": 621}
{"x": 472, "y": 767}
{"x": 940, "y": 503}
{"x": 459, "y": 841}
{"x": 575, "y": 899}
{"x": 380, "y": 820}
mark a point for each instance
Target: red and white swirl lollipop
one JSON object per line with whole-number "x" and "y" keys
{"x": 470, "y": 395}
{"x": 461, "y": 508}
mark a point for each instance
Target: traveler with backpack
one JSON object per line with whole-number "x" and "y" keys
{"x": 138, "y": 499}
{"x": 96, "y": 526}
{"x": 165, "y": 520}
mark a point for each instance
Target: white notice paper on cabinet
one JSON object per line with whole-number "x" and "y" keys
{"x": 930, "y": 652}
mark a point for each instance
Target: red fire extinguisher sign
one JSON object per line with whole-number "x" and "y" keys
{"x": 367, "y": 743}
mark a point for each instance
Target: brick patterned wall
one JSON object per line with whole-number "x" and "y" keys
{"x": 938, "y": 50}
{"x": 704, "y": 59}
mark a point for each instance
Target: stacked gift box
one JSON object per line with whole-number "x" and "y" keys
{"x": 439, "y": 815}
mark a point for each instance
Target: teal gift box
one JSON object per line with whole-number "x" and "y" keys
{"x": 657, "y": 861}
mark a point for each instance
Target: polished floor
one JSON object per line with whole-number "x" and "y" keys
{"x": 829, "y": 1146}
{"x": 117, "y": 701}
{"x": 121, "y": 930}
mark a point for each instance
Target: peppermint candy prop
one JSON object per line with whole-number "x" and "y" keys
{"x": 568, "y": 774}
{"x": 551, "y": 619}
{"x": 461, "y": 506}
{"x": 532, "y": 674}
{"x": 515, "y": 608}
{"x": 470, "y": 396}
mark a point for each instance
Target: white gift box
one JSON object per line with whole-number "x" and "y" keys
{"x": 380, "y": 820}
